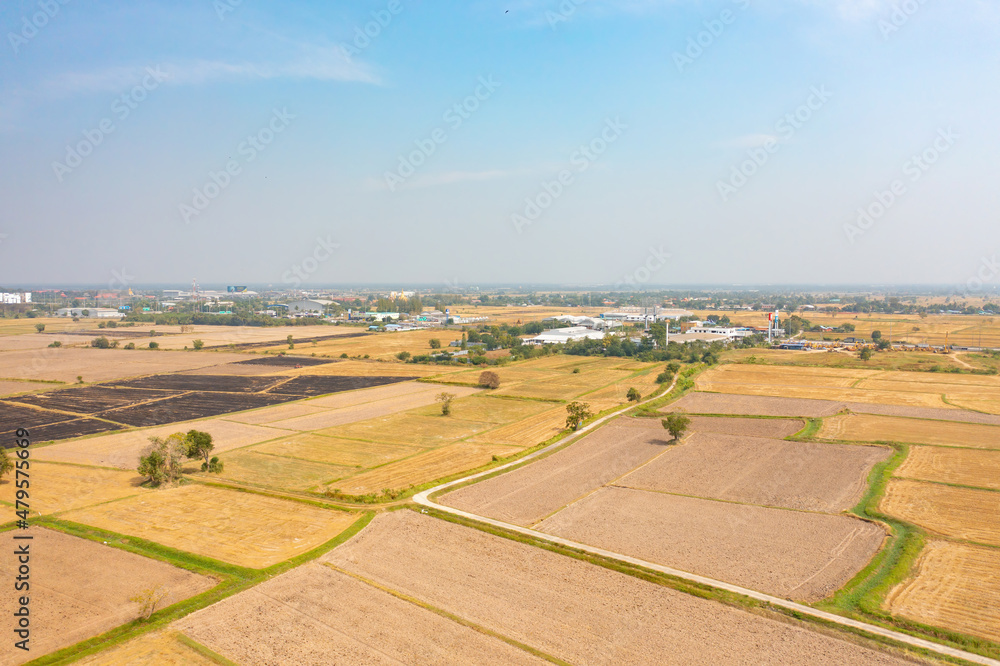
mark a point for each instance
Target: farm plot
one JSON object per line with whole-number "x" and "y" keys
{"x": 956, "y": 586}
{"x": 484, "y": 407}
{"x": 359, "y": 368}
{"x": 91, "y": 399}
{"x": 225, "y": 383}
{"x": 965, "y": 467}
{"x": 528, "y": 494}
{"x": 11, "y": 387}
{"x": 813, "y": 383}
{"x": 236, "y": 527}
{"x": 791, "y": 554}
{"x": 260, "y": 469}
{"x": 63, "y": 430}
{"x": 80, "y": 588}
{"x": 64, "y": 487}
{"x": 527, "y": 432}
{"x": 727, "y": 425}
{"x": 961, "y": 513}
{"x": 309, "y": 385}
{"x": 101, "y": 365}
{"x": 122, "y": 450}
{"x": 949, "y": 414}
{"x": 570, "y": 609}
{"x": 409, "y": 428}
{"x": 315, "y": 615}
{"x": 16, "y": 416}
{"x": 871, "y": 428}
{"x": 284, "y": 361}
{"x": 422, "y": 468}
{"x": 158, "y": 648}
{"x": 191, "y": 406}
{"x": 770, "y": 472}
{"x": 722, "y": 403}
{"x": 564, "y": 387}
{"x": 336, "y": 451}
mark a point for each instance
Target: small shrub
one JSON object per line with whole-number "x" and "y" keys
{"x": 154, "y": 345}
{"x": 198, "y": 344}
{"x": 39, "y": 327}
{"x": 403, "y": 355}
{"x": 101, "y": 343}
{"x": 344, "y": 355}
{"x": 55, "y": 344}
{"x": 102, "y": 325}
{"x": 130, "y": 345}
{"x": 576, "y": 371}
{"x": 445, "y": 400}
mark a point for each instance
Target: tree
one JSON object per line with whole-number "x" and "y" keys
{"x": 198, "y": 344}
{"x": 876, "y": 335}
{"x": 435, "y": 343}
{"x": 130, "y": 345}
{"x": 577, "y": 413}
{"x": 39, "y": 327}
{"x": 676, "y": 425}
{"x": 883, "y": 345}
{"x": 198, "y": 444}
{"x": 101, "y": 343}
{"x": 162, "y": 461}
{"x": 489, "y": 379}
{"x": 633, "y": 395}
{"x": 6, "y": 464}
{"x": 214, "y": 466}
{"x": 154, "y": 345}
{"x": 148, "y": 599}
{"x": 445, "y": 400}
{"x": 291, "y": 345}
{"x": 866, "y": 354}
{"x": 403, "y": 355}
{"x": 55, "y": 343}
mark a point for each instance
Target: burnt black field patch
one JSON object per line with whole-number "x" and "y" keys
{"x": 14, "y": 416}
{"x": 193, "y": 406}
{"x": 64, "y": 430}
{"x": 224, "y": 383}
{"x": 312, "y": 385}
{"x": 286, "y": 361}
{"x": 92, "y": 399}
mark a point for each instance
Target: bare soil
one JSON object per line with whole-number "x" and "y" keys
{"x": 771, "y": 472}
{"x": 80, "y": 588}
{"x": 573, "y": 610}
{"x": 790, "y": 554}
{"x": 773, "y": 428}
{"x": 315, "y": 615}
{"x": 530, "y": 493}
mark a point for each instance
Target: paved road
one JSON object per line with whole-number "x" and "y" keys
{"x": 423, "y": 499}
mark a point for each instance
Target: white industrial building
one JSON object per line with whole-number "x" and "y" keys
{"x": 91, "y": 313}
{"x": 730, "y": 332}
{"x": 558, "y": 336}
{"x": 634, "y": 315}
{"x": 308, "y": 306}
{"x": 15, "y": 298}
{"x": 586, "y": 322}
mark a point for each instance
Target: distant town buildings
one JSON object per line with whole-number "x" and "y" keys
{"x": 90, "y": 313}
{"x": 15, "y": 298}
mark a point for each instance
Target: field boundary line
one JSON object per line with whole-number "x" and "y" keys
{"x": 423, "y": 498}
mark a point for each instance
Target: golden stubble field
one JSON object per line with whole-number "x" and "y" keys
{"x": 236, "y": 527}
{"x": 874, "y": 428}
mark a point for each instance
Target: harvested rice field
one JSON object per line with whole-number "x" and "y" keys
{"x": 335, "y": 451}
{"x": 727, "y": 425}
{"x": 11, "y": 387}
{"x": 960, "y": 513}
{"x": 316, "y": 615}
{"x": 529, "y": 494}
{"x": 100, "y": 365}
{"x": 791, "y": 554}
{"x": 259, "y": 469}
{"x": 410, "y": 429}
{"x": 81, "y": 588}
{"x": 964, "y": 467}
{"x": 423, "y": 467}
{"x": 873, "y": 428}
{"x": 572, "y": 610}
{"x": 122, "y": 450}
{"x": 527, "y": 432}
{"x": 955, "y": 586}
{"x": 722, "y": 403}
{"x": 236, "y": 527}
{"x": 56, "y": 487}
{"x": 807, "y": 476}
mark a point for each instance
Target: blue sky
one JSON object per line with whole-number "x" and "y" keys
{"x": 230, "y": 140}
